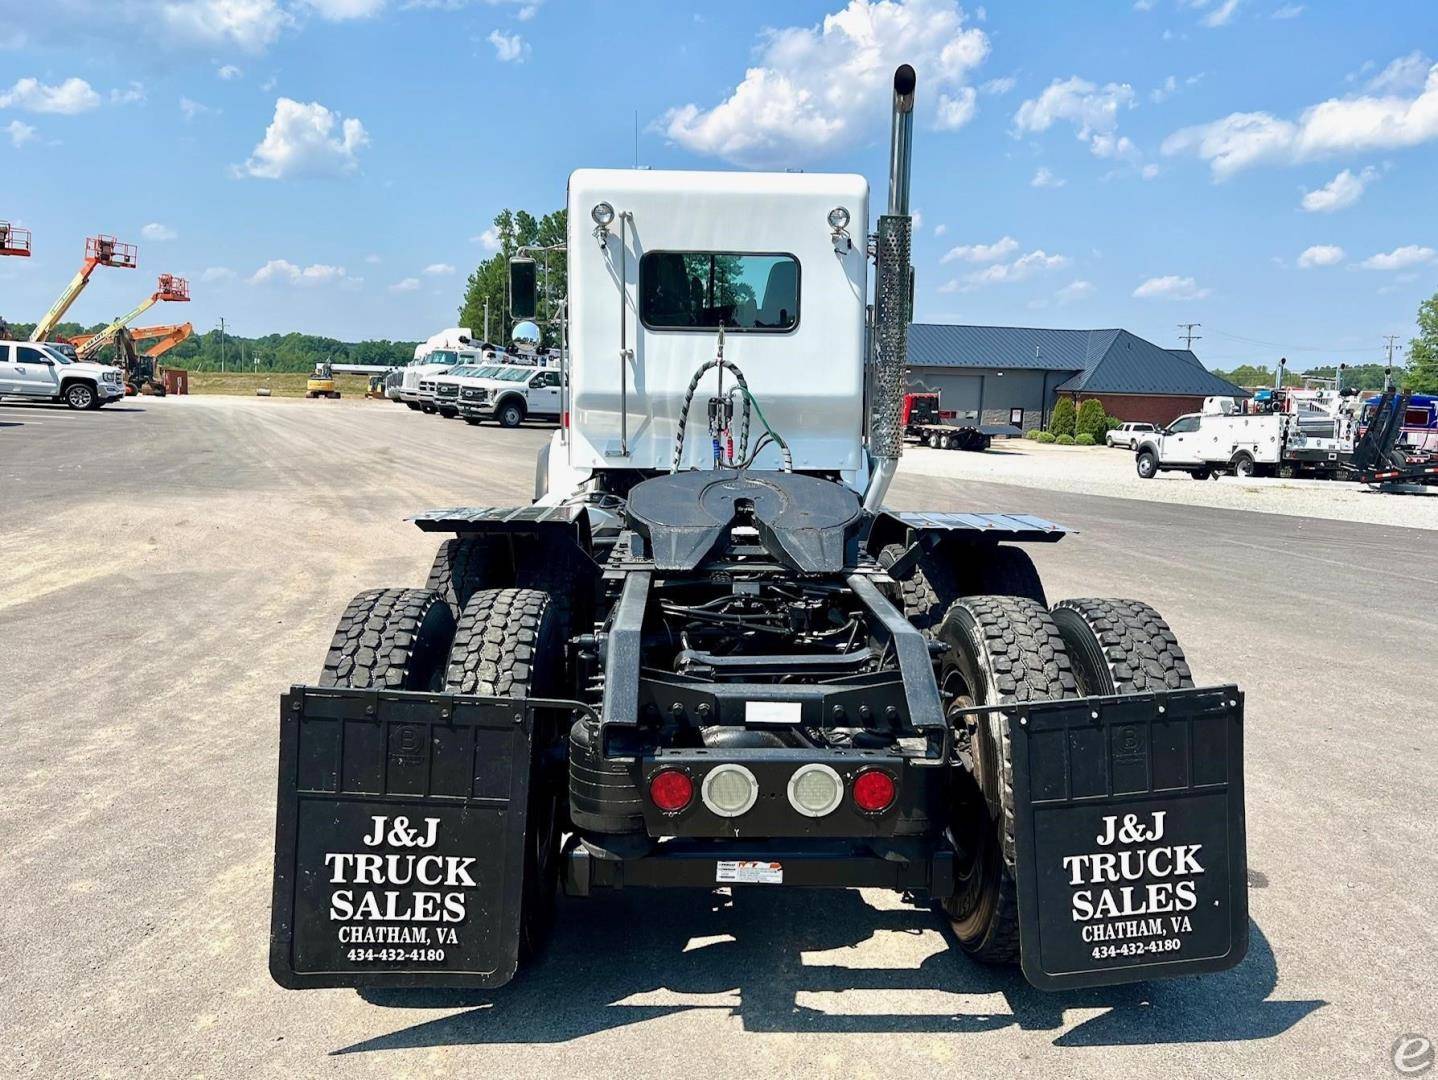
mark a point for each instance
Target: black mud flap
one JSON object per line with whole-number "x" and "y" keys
{"x": 1130, "y": 847}
{"x": 399, "y": 839}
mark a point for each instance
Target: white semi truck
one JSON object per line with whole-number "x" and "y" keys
{"x": 709, "y": 656}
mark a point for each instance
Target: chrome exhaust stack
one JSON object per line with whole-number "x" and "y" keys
{"x": 892, "y": 291}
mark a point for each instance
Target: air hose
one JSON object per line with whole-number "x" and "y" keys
{"x": 745, "y": 459}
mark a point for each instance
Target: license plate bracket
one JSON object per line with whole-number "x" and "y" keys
{"x": 399, "y": 840}
{"x": 1130, "y": 843}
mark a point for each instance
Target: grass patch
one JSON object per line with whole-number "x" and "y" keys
{"x": 281, "y": 383}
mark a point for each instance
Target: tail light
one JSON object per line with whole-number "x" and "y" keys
{"x": 874, "y": 791}
{"x": 671, "y": 790}
{"x": 815, "y": 790}
{"x": 729, "y": 790}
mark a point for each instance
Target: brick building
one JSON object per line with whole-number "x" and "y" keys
{"x": 1008, "y": 374}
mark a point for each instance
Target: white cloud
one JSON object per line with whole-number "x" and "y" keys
{"x": 1221, "y": 15}
{"x": 527, "y": 12}
{"x": 409, "y": 284}
{"x": 940, "y": 229}
{"x": 1170, "y": 287}
{"x": 916, "y": 218}
{"x": 439, "y": 269}
{"x": 509, "y": 48}
{"x": 1336, "y": 126}
{"x": 67, "y": 98}
{"x": 999, "y": 86}
{"x": 1075, "y": 290}
{"x": 1025, "y": 266}
{"x": 301, "y": 141}
{"x": 1400, "y": 258}
{"x": 956, "y": 110}
{"x": 339, "y": 10}
{"x": 282, "y": 271}
{"x": 1342, "y": 191}
{"x": 1144, "y": 5}
{"x": 1149, "y": 171}
{"x": 373, "y": 260}
{"x": 131, "y": 95}
{"x": 191, "y": 109}
{"x": 814, "y": 90}
{"x": 252, "y": 25}
{"x": 1406, "y": 75}
{"x": 1320, "y": 255}
{"x": 1092, "y": 110}
{"x": 1288, "y": 11}
{"x": 489, "y": 239}
{"x": 20, "y": 133}
{"x": 1164, "y": 92}
{"x": 1044, "y": 178}
{"x": 217, "y": 273}
{"x": 981, "y": 253}
{"x": 228, "y": 72}
{"x": 155, "y": 231}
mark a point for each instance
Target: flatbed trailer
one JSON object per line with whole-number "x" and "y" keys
{"x": 926, "y": 423}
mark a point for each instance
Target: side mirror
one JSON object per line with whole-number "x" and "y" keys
{"x": 523, "y": 288}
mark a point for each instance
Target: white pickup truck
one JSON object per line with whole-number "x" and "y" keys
{"x": 513, "y": 395}
{"x": 38, "y": 371}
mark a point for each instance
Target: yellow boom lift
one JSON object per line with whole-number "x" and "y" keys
{"x": 169, "y": 288}
{"x": 99, "y": 251}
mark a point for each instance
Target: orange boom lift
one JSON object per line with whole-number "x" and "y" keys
{"x": 99, "y": 251}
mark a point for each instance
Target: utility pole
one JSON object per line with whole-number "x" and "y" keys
{"x": 486, "y": 321}
{"x": 222, "y": 343}
{"x": 1392, "y": 340}
{"x": 1187, "y": 333}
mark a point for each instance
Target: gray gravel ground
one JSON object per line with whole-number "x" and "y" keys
{"x": 166, "y": 567}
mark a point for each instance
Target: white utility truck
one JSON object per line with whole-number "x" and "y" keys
{"x": 707, "y": 656}
{"x": 37, "y": 371}
{"x": 512, "y": 394}
{"x": 449, "y": 348}
{"x": 1315, "y": 440}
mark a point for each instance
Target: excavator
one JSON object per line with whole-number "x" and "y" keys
{"x": 168, "y": 288}
{"x": 322, "y": 382}
{"x": 99, "y": 251}
{"x": 142, "y": 373}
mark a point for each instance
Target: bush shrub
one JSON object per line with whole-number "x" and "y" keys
{"x": 1064, "y": 440}
{"x": 1032, "y": 433}
{"x": 1084, "y": 440}
{"x": 1090, "y": 419}
{"x": 1110, "y": 422}
{"x": 1061, "y": 420}
{"x": 1045, "y": 437}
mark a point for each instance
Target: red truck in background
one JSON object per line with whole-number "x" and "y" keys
{"x": 927, "y": 423}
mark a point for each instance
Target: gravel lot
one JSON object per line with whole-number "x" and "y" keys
{"x": 167, "y": 567}
{"x": 1098, "y": 470}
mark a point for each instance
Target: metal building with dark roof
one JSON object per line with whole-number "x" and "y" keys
{"x": 1015, "y": 374}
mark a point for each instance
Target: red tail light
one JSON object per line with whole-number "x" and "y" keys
{"x": 873, "y": 791}
{"x": 671, "y": 790}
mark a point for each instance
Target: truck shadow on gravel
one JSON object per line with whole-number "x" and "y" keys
{"x": 749, "y": 953}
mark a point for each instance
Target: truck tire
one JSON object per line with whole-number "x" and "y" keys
{"x": 391, "y": 639}
{"x": 1000, "y": 649}
{"x": 81, "y": 395}
{"x": 1202, "y": 474}
{"x": 938, "y": 579}
{"x": 510, "y": 414}
{"x": 411, "y": 404}
{"x": 1120, "y": 647}
{"x": 508, "y": 644}
{"x": 1147, "y": 464}
{"x": 462, "y": 566}
{"x": 1244, "y": 467}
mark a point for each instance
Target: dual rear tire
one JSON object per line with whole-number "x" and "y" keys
{"x": 1006, "y": 649}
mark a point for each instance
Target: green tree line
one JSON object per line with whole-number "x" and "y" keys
{"x": 210, "y": 350}
{"x": 517, "y": 229}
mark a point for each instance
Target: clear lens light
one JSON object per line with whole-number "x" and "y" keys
{"x": 838, "y": 217}
{"x": 815, "y": 790}
{"x": 602, "y": 213}
{"x": 730, "y": 790}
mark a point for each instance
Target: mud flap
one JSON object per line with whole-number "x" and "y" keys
{"x": 1130, "y": 844}
{"x": 399, "y": 840}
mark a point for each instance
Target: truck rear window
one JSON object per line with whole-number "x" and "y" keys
{"x": 703, "y": 290}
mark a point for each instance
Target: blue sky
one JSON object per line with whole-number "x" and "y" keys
{"x": 1264, "y": 167}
